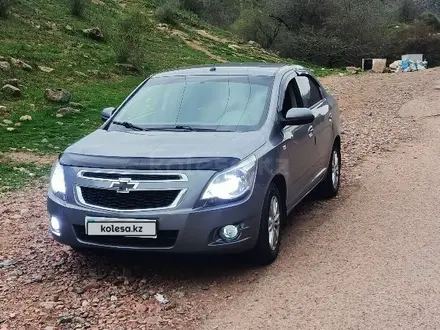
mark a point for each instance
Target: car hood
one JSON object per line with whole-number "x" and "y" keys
{"x": 155, "y": 150}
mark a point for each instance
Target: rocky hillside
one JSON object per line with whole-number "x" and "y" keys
{"x": 58, "y": 70}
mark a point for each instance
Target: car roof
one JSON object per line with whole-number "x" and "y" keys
{"x": 248, "y": 69}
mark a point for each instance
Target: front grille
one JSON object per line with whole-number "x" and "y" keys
{"x": 135, "y": 200}
{"x": 136, "y": 177}
{"x": 165, "y": 239}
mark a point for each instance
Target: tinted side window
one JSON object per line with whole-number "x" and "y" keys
{"x": 289, "y": 98}
{"x": 287, "y": 104}
{"x": 309, "y": 91}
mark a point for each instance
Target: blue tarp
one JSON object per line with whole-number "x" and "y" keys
{"x": 410, "y": 65}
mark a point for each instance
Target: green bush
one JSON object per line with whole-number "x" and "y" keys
{"x": 329, "y": 32}
{"x": 419, "y": 39}
{"x": 129, "y": 40}
{"x": 222, "y": 13}
{"x": 431, "y": 20}
{"x": 253, "y": 25}
{"x": 5, "y": 5}
{"x": 409, "y": 10}
{"x": 168, "y": 12}
{"x": 78, "y": 7}
{"x": 246, "y": 24}
{"x": 195, "y": 6}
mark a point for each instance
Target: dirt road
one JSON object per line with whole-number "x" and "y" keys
{"x": 366, "y": 260}
{"x": 371, "y": 261}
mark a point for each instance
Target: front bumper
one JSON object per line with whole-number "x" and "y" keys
{"x": 179, "y": 230}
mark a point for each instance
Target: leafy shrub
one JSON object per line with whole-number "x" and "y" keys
{"x": 431, "y": 20}
{"x": 330, "y": 32}
{"x": 420, "y": 39}
{"x": 316, "y": 47}
{"x": 5, "y": 5}
{"x": 253, "y": 25}
{"x": 78, "y": 7}
{"x": 409, "y": 10}
{"x": 195, "y": 6}
{"x": 221, "y": 12}
{"x": 168, "y": 12}
{"x": 129, "y": 41}
{"x": 192, "y": 19}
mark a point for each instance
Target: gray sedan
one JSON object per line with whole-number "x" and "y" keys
{"x": 200, "y": 160}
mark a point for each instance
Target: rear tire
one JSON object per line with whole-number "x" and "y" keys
{"x": 268, "y": 245}
{"x": 329, "y": 187}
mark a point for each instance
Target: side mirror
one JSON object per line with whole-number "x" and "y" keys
{"x": 106, "y": 113}
{"x": 299, "y": 116}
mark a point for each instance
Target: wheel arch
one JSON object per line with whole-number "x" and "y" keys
{"x": 280, "y": 182}
{"x": 337, "y": 141}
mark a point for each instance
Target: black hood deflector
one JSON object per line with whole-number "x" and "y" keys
{"x": 152, "y": 164}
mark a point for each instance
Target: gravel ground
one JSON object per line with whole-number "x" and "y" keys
{"x": 369, "y": 260}
{"x": 337, "y": 266}
{"x": 370, "y": 107}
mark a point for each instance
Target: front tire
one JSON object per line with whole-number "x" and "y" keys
{"x": 268, "y": 245}
{"x": 329, "y": 187}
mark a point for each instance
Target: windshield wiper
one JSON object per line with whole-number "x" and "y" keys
{"x": 193, "y": 129}
{"x": 185, "y": 128}
{"x": 126, "y": 124}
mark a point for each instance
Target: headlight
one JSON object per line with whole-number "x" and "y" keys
{"x": 57, "y": 182}
{"x": 233, "y": 183}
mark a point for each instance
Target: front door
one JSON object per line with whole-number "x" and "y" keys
{"x": 297, "y": 144}
{"x": 312, "y": 98}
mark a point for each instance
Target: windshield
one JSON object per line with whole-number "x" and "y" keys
{"x": 219, "y": 103}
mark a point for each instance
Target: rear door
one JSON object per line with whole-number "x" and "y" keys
{"x": 312, "y": 98}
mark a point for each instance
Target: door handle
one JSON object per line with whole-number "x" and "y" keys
{"x": 311, "y": 131}
{"x": 330, "y": 117}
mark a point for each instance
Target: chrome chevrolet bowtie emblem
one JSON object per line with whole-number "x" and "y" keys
{"x": 124, "y": 185}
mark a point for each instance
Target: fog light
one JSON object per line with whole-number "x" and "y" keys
{"x": 55, "y": 224}
{"x": 229, "y": 232}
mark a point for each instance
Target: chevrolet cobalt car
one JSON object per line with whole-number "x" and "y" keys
{"x": 200, "y": 160}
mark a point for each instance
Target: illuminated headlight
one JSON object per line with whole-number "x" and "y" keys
{"x": 233, "y": 183}
{"x": 57, "y": 182}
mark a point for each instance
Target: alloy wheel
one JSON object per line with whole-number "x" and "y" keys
{"x": 274, "y": 223}
{"x": 335, "y": 169}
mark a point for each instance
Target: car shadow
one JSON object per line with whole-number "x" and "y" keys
{"x": 198, "y": 269}
{"x": 160, "y": 272}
